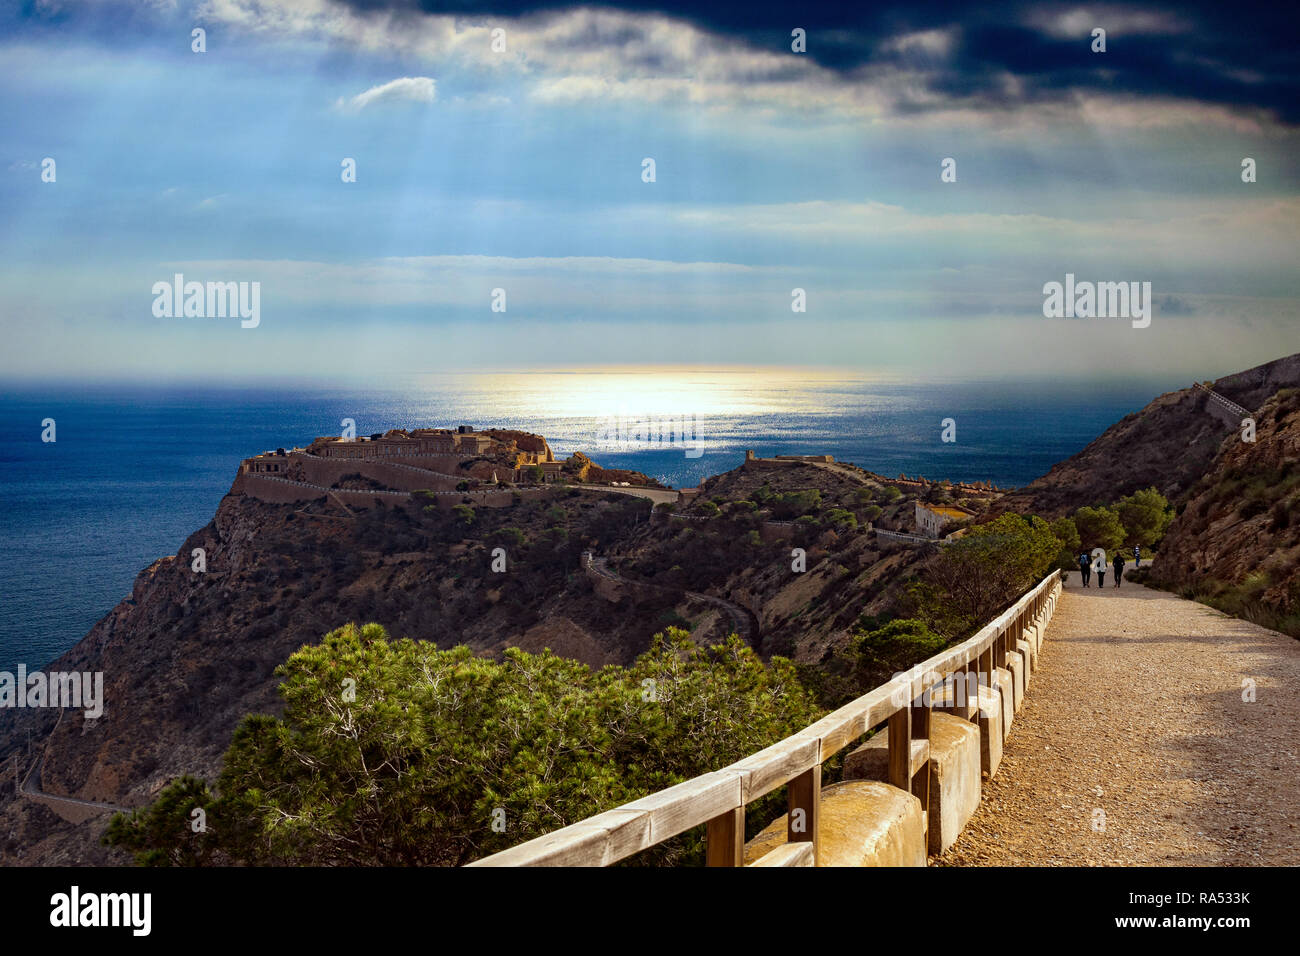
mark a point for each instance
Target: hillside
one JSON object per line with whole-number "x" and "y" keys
{"x": 1236, "y": 542}
{"x": 1168, "y": 445}
{"x": 188, "y": 654}
{"x": 743, "y": 549}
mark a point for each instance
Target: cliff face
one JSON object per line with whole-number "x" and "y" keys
{"x": 1168, "y": 445}
{"x": 189, "y": 653}
{"x": 581, "y": 468}
{"x": 1238, "y": 534}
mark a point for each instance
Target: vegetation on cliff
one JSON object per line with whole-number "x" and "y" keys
{"x": 1236, "y": 542}
{"x": 957, "y": 590}
{"x": 396, "y": 752}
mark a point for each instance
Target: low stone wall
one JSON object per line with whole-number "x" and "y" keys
{"x": 771, "y": 531}
{"x": 864, "y": 821}
{"x": 1223, "y": 412}
{"x": 953, "y": 768}
{"x": 327, "y": 471}
{"x": 276, "y": 490}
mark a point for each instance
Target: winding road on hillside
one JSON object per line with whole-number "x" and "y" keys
{"x": 70, "y": 808}
{"x": 1140, "y": 743}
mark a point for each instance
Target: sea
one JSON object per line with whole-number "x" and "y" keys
{"x": 134, "y": 469}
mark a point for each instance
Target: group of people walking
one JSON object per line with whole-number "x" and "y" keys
{"x": 1087, "y": 565}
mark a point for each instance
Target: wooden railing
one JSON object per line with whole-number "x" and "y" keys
{"x": 718, "y": 799}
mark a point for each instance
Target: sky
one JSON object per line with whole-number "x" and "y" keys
{"x": 515, "y": 161}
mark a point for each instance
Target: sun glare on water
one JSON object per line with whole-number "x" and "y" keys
{"x": 671, "y": 392}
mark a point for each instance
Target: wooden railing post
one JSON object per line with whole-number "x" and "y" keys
{"x": 972, "y": 675}
{"x": 984, "y": 671}
{"x": 725, "y": 839}
{"x": 920, "y": 721}
{"x": 900, "y": 749}
{"x": 803, "y": 799}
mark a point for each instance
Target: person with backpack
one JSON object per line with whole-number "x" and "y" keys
{"x": 1083, "y": 567}
{"x": 1119, "y": 566}
{"x": 1100, "y": 568}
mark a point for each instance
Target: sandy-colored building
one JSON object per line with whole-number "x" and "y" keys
{"x": 268, "y": 463}
{"x": 931, "y": 518}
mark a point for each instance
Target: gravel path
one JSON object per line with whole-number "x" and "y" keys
{"x": 1136, "y": 710}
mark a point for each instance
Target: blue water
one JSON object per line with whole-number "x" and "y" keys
{"x": 135, "y": 470}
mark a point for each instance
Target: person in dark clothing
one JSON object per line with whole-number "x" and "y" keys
{"x": 1083, "y": 567}
{"x": 1100, "y": 568}
{"x": 1137, "y": 555}
{"x": 1119, "y": 566}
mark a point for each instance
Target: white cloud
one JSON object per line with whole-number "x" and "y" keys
{"x": 414, "y": 89}
{"x": 1116, "y": 20}
{"x": 931, "y": 43}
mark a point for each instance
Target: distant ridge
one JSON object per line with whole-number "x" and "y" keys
{"x": 1168, "y": 445}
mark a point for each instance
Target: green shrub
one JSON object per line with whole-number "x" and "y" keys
{"x": 1099, "y": 528}
{"x": 398, "y": 753}
{"x": 896, "y": 646}
{"x": 1145, "y": 516}
{"x": 511, "y": 536}
{"x": 841, "y": 519}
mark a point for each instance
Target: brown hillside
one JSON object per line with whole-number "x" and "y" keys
{"x": 1168, "y": 445}
{"x": 1236, "y": 543}
{"x": 186, "y": 655}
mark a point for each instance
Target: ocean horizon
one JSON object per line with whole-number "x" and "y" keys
{"x": 136, "y": 469}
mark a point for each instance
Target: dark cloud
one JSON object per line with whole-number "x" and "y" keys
{"x": 1237, "y": 55}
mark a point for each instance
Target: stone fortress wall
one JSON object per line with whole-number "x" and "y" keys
{"x": 402, "y": 462}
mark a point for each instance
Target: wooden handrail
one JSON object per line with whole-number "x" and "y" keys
{"x": 718, "y": 799}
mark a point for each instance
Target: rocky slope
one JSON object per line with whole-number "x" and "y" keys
{"x": 1236, "y": 541}
{"x": 188, "y": 654}
{"x": 1170, "y": 444}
